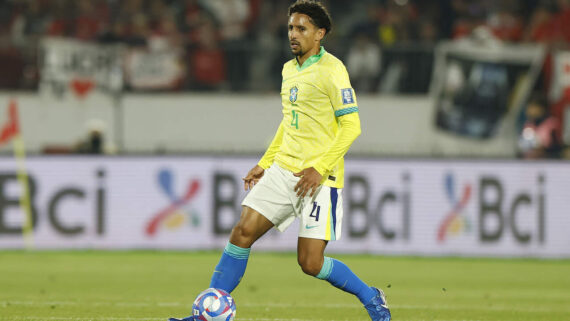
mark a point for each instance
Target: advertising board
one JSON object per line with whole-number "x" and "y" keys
{"x": 464, "y": 208}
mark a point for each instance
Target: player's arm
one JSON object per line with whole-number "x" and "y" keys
{"x": 349, "y": 130}
{"x": 255, "y": 174}
{"x": 345, "y": 108}
{"x": 311, "y": 177}
{"x": 274, "y": 147}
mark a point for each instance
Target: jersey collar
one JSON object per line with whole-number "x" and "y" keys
{"x": 311, "y": 60}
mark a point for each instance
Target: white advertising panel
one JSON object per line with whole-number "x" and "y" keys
{"x": 479, "y": 208}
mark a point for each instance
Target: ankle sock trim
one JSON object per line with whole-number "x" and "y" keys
{"x": 326, "y": 269}
{"x": 236, "y": 251}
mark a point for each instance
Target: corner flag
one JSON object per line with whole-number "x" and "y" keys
{"x": 11, "y": 128}
{"x": 10, "y": 131}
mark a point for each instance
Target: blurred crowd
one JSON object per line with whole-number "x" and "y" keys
{"x": 241, "y": 44}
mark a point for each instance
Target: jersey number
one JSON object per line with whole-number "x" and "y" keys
{"x": 295, "y": 120}
{"x": 313, "y": 214}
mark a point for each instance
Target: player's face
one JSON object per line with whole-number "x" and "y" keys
{"x": 304, "y": 36}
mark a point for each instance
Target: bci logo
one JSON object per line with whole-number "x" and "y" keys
{"x": 497, "y": 212}
{"x": 507, "y": 212}
{"x": 53, "y": 205}
{"x": 372, "y": 208}
{"x": 497, "y": 215}
{"x": 176, "y": 212}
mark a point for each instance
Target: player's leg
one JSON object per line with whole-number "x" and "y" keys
{"x": 321, "y": 219}
{"x": 265, "y": 206}
{"x": 229, "y": 271}
{"x": 310, "y": 255}
{"x": 250, "y": 227}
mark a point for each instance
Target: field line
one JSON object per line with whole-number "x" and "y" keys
{"x": 44, "y": 318}
{"x": 455, "y": 307}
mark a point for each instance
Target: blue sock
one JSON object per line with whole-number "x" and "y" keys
{"x": 230, "y": 269}
{"x": 339, "y": 275}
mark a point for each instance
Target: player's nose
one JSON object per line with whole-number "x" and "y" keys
{"x": 292, "y": 35}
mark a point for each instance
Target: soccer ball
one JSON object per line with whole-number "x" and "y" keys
{"x": 214, "y": 305}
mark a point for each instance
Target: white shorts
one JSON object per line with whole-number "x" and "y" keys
{"x": 275, "y": 198}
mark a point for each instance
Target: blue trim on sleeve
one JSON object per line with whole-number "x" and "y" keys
{"x": 346, "y": 111}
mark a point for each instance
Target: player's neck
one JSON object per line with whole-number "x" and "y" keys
{"x": 314, "y": 51}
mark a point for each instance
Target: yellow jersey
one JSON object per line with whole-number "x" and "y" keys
{"x": 320, "y": 118}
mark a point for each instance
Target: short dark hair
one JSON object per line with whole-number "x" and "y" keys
{"x": 318, "y": 14}
{"x": 538, "y": 98}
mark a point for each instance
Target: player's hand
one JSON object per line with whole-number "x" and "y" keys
{"x": 310, "y": 181}
{"x": 252, "y": 177}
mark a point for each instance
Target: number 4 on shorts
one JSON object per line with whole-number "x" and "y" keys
{"x": 313, "y": 214}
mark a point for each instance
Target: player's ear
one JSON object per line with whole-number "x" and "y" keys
{"x": 321, "y": 33}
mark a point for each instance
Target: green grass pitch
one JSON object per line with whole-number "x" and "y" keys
{"x": 152, "y": 285}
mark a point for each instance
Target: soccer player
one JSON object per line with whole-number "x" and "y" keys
{"x": 301, "y": 173}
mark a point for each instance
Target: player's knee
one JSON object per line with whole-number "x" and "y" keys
{"x": 310, "y": 265}
{"x": 242, "y": 235}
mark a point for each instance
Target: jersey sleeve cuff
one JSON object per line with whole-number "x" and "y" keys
{"x": 346, "y": 111}
{"x": 264, "y": 164}
{"x": 321, "y": 169}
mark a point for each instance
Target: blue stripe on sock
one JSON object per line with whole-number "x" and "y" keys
{"x": 326, "y": 269}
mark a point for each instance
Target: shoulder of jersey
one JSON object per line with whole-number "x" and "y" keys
{"x": 289, "y": 63}
{"x": 332, "y": 62}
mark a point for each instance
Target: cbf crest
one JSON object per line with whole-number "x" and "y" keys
{"x": 293, "y": 94}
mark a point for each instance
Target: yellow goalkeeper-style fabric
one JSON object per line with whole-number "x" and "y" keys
{"x": 320, "y": 118}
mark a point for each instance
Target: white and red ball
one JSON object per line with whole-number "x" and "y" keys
{"x": 214, "y": 305}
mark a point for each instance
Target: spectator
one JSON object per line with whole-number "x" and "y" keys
{"x": 86, "y": 25}
{"x": 541, "y": 27}
{"x": 505, "y": 23}
{"x": 157, "y": 10}
{"x": 428, "y": 33}
{"x": 540, "y": 137}
{"x": 28, "y": 25}
{"x": 233, "y": 17}
{"x": 193, "y": 15}
{"x": 139, "y": 31}
{"x": 94, "y": 142}
{"x": 241, "y": 30}
{"x": 468, "y": 16}
{"x": 113, "y": 33}
{"x": 128, "y": 9}
{"x": 165, "y": 35}
{"x": 208, "y": 67}
{"x": 563, "y": 20}
{"x": 59, "y": 19}
{"x": 363, "y": 63}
